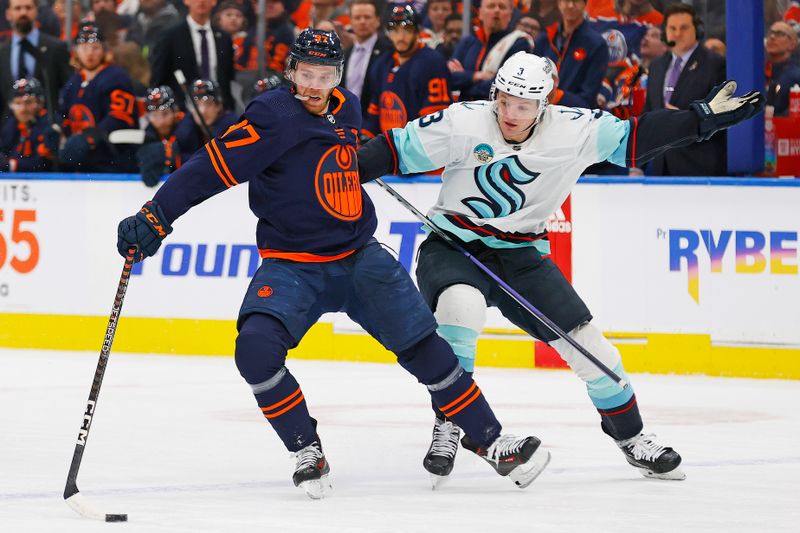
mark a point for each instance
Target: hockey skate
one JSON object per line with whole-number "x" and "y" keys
{"x": 520, "y": 458}
{"x": 442, "y": 454}
{"x": 311, "y": 471}
{"x": 651, "y": 459}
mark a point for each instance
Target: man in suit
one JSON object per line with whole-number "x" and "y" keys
{"x": 687, "y": 73}
{"x": 31, "y": 53}
{"x": 198, "y": 49}
{"x": 369, "y": 44}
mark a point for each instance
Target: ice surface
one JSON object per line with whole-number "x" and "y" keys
{"x": 179, "y": 444}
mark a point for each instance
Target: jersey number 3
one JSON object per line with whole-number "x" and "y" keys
{"x": 427, "y": 120}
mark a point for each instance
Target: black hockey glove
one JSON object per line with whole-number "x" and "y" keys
{"x": 144, "y": 230}
{"x": 721, "y": 110}
{"x": 75, "y": 150}
{"x": 52, "y": 139}
{"x": 150, "y": 158}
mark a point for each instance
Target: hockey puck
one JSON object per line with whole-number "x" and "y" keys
{"x": 116, "y": 518}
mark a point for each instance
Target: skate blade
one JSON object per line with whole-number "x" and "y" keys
{"x": 673, "y": 475}
{"x": 317, "y": 489}
{"x": 524, "y": 474}
{"x": 438, "y": 482}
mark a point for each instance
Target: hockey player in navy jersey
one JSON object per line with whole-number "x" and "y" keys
{"x": 411, "y": 82}
{"x": 171, "y": 136}
{"x": 210, "y": 104}
{"x": 22, "y": 143}
{"x": 96, "y": 100}
{"x": 509, "y": 164}
{"x": 297, "y": 149}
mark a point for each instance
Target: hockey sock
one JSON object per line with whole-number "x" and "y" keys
{"x": 619, "y": 413}
{"x": 260, "y": 355}
{"x": 621, "y": 422}
{"x": 452, "y": 389}
{"x": 438, "y": 412}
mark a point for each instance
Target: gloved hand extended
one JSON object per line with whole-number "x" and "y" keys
{"x": 721, "y": 110}
{"x": 145, "y": 230}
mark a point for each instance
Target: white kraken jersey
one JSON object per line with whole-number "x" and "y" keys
{"x": 503, "y": 193}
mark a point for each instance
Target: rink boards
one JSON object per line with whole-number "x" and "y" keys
{"x": 686, "y": 276}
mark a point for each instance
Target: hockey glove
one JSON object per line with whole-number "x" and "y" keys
{"x": 150, "y": 158}
{"x": 145, "y": 230}
{"x": 52, "y": 138}
{"x": 75, "y": 150}
{"x": 721, "y": 110}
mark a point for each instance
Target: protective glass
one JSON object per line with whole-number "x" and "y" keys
{"x": 321, "y": 77}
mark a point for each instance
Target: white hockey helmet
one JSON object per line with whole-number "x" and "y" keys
{"x": 526, "y": 76}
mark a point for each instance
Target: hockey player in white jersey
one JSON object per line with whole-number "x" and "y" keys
{"x": 509, "y": 163}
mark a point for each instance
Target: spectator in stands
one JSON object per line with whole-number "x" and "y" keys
{"x": 716, "y": 45}
{"x": 152, "y": 19}
{"x": 60, "y": 10}
{"x": 453, "y": 30}
{"x": 410, "y": 83}
{"x": 231, "y": 20}
{"x": 621, "y": 93}
{"x": 477, "y": 57}
{"x": 96, "y": 100}
{"x": 31, "y": 53}
{"x": 580, "y": 55}
{"x": 368, "y": 46}
{"x": 196, "y": 48}
{"x": 652, "y": 46}
{"x": 677, "y": 79}
{"x": 530, "y": 25}
{"x": 170, "y": 137}
{"x": 639, "y": 11}
{"x": 781, "y": 70}
{"x": 332, "y": 10}
{"x": 278, "y": 39}
{"x": 22, "y": 145}
{"x": 546, "y": 11}
{"x": 438, "y": 11}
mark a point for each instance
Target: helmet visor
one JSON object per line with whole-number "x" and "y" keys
{"x": 322, "y": 77}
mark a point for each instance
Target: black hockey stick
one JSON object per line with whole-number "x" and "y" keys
{"x": 72, "y": 496}
{"x": 506, "y": 287}
{"x": 181, "y": 79}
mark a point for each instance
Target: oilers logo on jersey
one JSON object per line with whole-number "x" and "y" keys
{"x": 337, "y": 185}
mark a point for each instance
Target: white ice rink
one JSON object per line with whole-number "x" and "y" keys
{"x": 179, "y": 444}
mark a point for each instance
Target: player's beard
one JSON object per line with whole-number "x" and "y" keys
{"x": 23, "y": 26}
{"x": 410, "y": 49}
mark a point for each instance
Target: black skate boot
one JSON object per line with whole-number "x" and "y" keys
{"x": 311, "y": 472}
{"x": 442, "y": 454}
{"x": 651, "y": 459}
{"x": 520, "y": 458}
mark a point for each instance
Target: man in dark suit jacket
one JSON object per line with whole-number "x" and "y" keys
{"x": 43, "y": 57}
{"x": 676, "y": 79}
{"x": 198, "y": 49}
{"x": 369, "y": 44}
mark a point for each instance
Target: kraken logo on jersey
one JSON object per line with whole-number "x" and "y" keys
{"x": 337, "y": 185}
{"x": 497, "y": 181}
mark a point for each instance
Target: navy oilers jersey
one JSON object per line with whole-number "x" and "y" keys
{"x": 302, "y": 171}
{"x": 403, "y": 93}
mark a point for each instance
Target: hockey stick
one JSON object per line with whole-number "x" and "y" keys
{"x": 71, "y": 494}
{"x": 506, "y": 287}
{"x": 181, "y": 79}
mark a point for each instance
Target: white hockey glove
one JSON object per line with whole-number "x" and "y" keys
{"x": 721, "y": 110}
